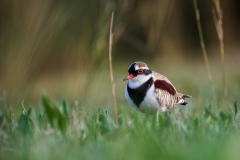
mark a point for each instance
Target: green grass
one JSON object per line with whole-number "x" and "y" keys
{"x": 62, "y": 131}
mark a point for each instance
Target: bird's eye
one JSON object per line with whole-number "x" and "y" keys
{"x": 140, "y": 71}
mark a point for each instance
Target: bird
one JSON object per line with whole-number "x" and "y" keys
{"x": 152, "y": 90}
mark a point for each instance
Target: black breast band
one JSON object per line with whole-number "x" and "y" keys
{"x": 138, "y": 94}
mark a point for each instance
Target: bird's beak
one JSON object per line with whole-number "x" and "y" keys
{"x": 130, "y": 76}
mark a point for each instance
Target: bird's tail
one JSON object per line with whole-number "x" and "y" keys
{"x": 181, "y": 99}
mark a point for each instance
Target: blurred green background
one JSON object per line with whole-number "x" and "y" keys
{"x": 61, "y": 47}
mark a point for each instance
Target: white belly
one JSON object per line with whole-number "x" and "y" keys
{"x": 150, "y": 100}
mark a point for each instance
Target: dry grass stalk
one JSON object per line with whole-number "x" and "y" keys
{"x": 218, "y": 16}
{"x": 111, "y": 70}
{"x": 204, "y": 50}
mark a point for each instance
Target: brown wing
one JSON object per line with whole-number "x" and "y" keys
{"x": 161, "y": 77}
{"x": 167, "y": 93}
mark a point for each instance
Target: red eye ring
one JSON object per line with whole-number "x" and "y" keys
{"x": 140, "y": 71}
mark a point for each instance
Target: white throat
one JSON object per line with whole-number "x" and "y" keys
{"x": 139, "y": 80}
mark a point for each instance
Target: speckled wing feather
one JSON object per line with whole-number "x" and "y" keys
{"x": 166, "y": 93}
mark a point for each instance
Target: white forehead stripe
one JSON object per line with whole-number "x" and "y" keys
{"x": 136, "y": 67}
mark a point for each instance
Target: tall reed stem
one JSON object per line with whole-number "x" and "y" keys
{"x": 205, "y": 56}
{"x": 111, "y": 70}
{"x": 218, "y": 16}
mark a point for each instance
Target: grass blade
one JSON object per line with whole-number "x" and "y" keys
{"x": 6, "y": 114}
{"x": 204, "y": 51}
{"x": 65, "y": 107}
{"x": 236, "y": 110}
{"x": 56, "y": 118}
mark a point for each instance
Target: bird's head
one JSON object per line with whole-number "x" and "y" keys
{"x": 138, "y": 72}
